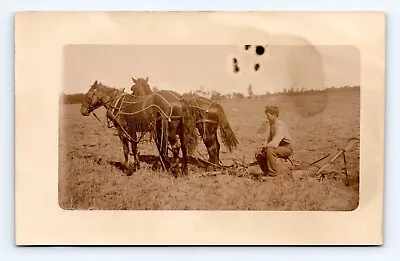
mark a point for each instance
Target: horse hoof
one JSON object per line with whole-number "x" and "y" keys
{"x": 129, "y": 172}
{"x": 156, "y": 166}
{"x": 185, "y": 172}
{"x": 174, "y": 172}
{"x": 136, "y": 167}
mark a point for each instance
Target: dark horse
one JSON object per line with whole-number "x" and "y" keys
{"x": 209, "y": 116}
{"x": 162, "y": 115}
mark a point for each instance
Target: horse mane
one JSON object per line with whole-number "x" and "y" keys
{"x": 105, "y": 88}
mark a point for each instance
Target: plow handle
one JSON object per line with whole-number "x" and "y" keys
{"x": 330, "y": 161}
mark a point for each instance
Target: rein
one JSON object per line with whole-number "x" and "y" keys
{"x": 94, "y": 114}
{"x": 120, "y": 108}
{"x": 117, "y": 97}
{"x": 114, "y": 110}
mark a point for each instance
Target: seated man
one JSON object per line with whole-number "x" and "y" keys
{"x": 278, "y": 144}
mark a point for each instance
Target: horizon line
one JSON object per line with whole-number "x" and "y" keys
{"x": 275, "y": 92}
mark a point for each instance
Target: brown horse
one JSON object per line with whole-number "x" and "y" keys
{"x": 209, "y": 116}
{"x": 165, "y": 117}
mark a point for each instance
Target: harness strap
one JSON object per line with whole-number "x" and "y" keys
{"x": 206, "y": 121}
{"x": 117, "y": 110}
{"x": 142, "y": 110}
{"x": 114, "y": 118}
{"x": 173, "y": 94}
{"x": 197, "y": 106}
{"x": 170, "y": 114}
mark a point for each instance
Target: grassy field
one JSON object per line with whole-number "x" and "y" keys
{"x": 319, "y": 124}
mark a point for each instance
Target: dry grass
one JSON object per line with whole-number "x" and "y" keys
{"x": 318, "y": 124}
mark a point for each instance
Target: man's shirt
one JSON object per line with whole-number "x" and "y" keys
{"x": 278, "y": 133}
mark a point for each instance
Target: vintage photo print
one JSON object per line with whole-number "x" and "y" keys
{"x": 268, "y": 123}
{"x": 224, "y": 127}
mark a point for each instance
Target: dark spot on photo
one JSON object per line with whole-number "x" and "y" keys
{"x": 256, "y": 67}
{"x": 234, "y": 60}
{"x": 236, "y": 69}
{"x": 247, "y": 47}
{"x": 260, "y": 50}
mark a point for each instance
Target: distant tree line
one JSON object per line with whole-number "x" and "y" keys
{"x": 285, "y": 92}
{"x": 298, "y": 91}
{"x": 77, "y": 98}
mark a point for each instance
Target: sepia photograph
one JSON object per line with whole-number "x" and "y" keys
{"x": 240, "y": 127}
{"x": 199, "y": 128}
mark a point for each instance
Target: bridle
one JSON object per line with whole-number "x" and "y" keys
{"x": 100, "y": 99}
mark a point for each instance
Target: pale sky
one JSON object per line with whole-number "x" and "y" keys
{"x": 185, "y": 68}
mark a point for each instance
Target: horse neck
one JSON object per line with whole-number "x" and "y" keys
{"x": 111, "y": 94}
{"x": 202, "y": 102}
{"x": 143, "y": 92}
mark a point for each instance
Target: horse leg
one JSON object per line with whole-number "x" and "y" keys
{"x": 217, "y": 145}
{"x": 127, "y": 165}
{"x": 184, "y": 167}
{"x": 172, "y": 139}
{"x": 125, "y": 146}
{"x": 136, "y": 162}
{"x": 212, "y": 143}
{"x": 127, "y": 161}
{"x": 208, "y": 132}
{"x": 201, "y": 129}
{"x": 162, "y": 148}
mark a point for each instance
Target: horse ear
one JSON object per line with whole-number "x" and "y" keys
{"x": 134, "y": 80}
{"x": 95, "y": 82}
{"x": 147, "y": 79}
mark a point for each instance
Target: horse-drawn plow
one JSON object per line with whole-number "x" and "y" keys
{"x": 92, "y": 170}
{"x": 207, "y": 125}
{"x": 241, "y": 169}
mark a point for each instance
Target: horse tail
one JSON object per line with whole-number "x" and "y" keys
{"x": 189, "y": 127}
{"x": 228, "y": 137}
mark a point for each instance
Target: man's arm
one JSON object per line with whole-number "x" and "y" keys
{"x": 264, "y": 142}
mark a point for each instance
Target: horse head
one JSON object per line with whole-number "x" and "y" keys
{"x": 93, "y": 99}
{"x": 141, "y": 87}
